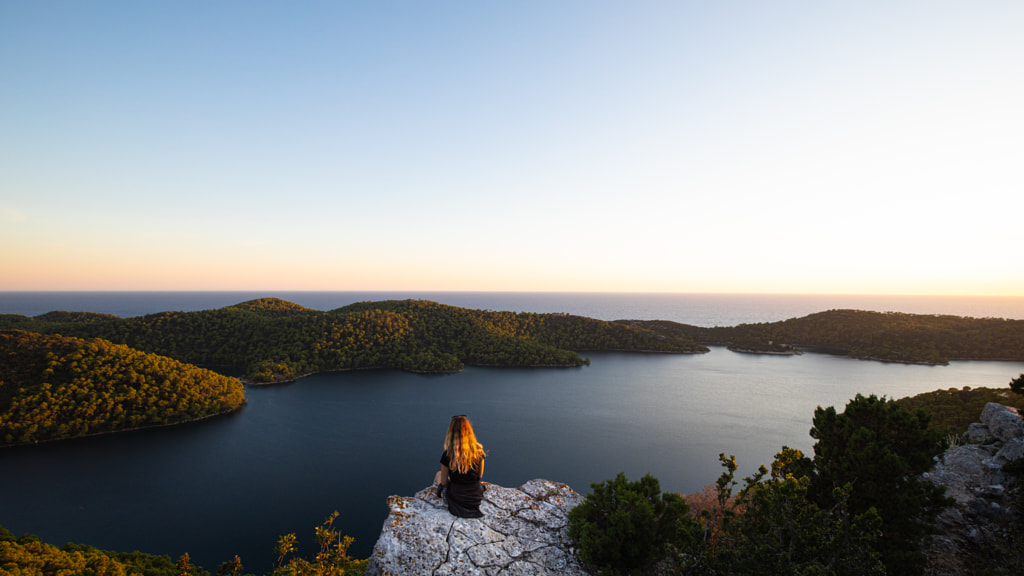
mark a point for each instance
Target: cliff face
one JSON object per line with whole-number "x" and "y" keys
{"x": 524, "y": 531}
{"x": 976, "y": 526}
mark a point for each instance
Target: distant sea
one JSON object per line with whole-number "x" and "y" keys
{"x": 696, "y": 309}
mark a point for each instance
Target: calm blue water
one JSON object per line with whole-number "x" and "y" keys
{"x": 345, "y": 441}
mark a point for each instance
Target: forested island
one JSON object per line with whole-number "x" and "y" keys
{"x": 273, "y": 340}
{"x": 55, "y": 387}
{"x": 69, "y": 374}
{"x": 884, "y": 336}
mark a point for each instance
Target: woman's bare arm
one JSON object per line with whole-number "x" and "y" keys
{"x": 442, "y": 476}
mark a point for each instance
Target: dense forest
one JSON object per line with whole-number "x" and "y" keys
{"x": 54, "y": 387}
{"x": 886, "y": 336}
{"x": 28, "y": 556}
{"x": 273, "y": 340}
{"x": 952, "y": 411}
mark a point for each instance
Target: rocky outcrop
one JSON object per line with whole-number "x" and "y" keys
{"x": 1003, "y": 422}
{"x": 523, "y": 531}
{"x": 974, "y": 477}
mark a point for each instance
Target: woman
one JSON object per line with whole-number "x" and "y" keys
{"x": 462, "y": 466}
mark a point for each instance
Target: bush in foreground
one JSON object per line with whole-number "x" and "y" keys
{"x": 625, "y": 527}
{"x": 859, "y": 507}
{"x": 771, "y": 527}
{"x": 880, "y": 450}
{"x": 1017, "y": 384}
{"x": 28, "y": 556}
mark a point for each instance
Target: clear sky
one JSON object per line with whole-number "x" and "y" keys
{"x": 802, "y": 147}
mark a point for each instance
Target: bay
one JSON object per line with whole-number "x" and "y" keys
{"x": 347, "y": 440}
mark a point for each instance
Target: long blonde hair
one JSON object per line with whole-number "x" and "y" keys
{"x": 464, "y": 452}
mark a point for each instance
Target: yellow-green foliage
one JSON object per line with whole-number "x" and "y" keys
{"x": 272, "y": 307}
{"x": 35, "y": 558}
{"x": 55, "y": 387}
{"x": 274, "y": 340}
{"x": 331, "y": 557}
{"x": 28, "y": 556}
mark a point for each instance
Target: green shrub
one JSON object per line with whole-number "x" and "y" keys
{"x": 625, "y": 527}
{"x": 779, "y": 530}
{"x": 880, "y": 450}
{"x": 1017, "y": 384}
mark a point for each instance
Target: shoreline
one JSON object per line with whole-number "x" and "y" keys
{"x": 584, "y": 363}
{"x": 795, "y": 352}
{"x": 132, "y": 429}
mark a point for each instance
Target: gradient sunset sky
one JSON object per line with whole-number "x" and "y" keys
{"x": 800, "y": 147}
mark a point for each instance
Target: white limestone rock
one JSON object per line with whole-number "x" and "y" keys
{"x": 1004, "y": 422}
{"x": 524, "y": 531}
{"x": 962, "y": 469}
{"x": 973, "y": 476}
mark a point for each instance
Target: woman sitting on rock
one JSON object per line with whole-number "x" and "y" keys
{"x": 462, "y": 466}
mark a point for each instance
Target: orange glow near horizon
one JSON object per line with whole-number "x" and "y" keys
{"x": 179, "y": 274}
{"x": 670, "y": 162}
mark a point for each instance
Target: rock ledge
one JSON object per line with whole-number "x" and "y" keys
{"x": 973, "y": 476}
{"x": 524, "y": 531}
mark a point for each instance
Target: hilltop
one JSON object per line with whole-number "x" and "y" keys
{"x": 274, "y": 340}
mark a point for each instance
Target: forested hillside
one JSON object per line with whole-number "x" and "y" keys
{"x": 887, "y": 336}
{"x": 28, "y": 556}
{"x": 54, "y": 387}
{"x": 953, "y": 410}
{"x": 274, "y": 340}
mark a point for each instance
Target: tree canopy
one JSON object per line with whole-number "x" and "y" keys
{"x": 886, "y": 336}
{"x": 876, "y": 451}
{"x": 54, "y": 387}
{"x": 953, "y": 410}
{"x": 274, "y": 340}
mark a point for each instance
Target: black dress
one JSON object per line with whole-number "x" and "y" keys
{"x": 464, "y": 491}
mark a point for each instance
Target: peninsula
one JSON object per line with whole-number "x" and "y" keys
{"x": 882, "y": 336}
{"x": 56, "y": 387}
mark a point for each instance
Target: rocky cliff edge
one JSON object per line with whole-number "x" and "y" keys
{"x": 524, "y": 531}
{"x": 972, "y": 473}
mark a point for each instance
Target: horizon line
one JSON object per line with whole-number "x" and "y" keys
{"x": 449, "y": 291}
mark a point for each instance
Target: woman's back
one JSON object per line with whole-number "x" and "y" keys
{"x": 462, "y": 467}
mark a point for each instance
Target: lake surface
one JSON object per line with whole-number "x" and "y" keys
{"x": 346, "y": 440}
